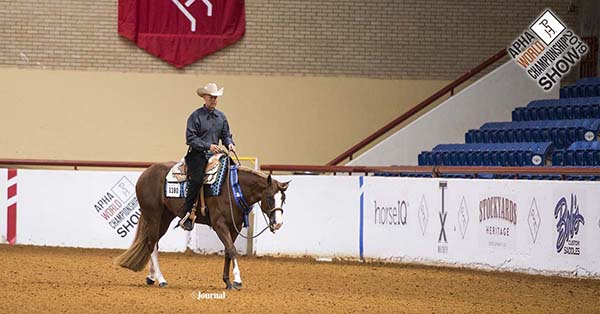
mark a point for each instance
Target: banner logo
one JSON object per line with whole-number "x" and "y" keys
{"x": 498, "y": 221}
{"x": 119, "y": 207}
{"x": 534, "y": 220}
{"x": 443, "y": 246}
{"x": 463, "y": 217}
{"x": 391, "y": 215}
{"x": 567, "y": 226}
{"x": 547, "y": 50}
{"x": 188, "y": 15}
{"x": 423, "y": 214}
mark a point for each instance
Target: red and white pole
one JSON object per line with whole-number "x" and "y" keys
{"x": 11, "y": 206}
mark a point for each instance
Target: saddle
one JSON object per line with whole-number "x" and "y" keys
{"x": 176, "y": 180}
{"x": 178, "y": 173}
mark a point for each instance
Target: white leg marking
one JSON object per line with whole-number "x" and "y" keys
{"x": 154, "y": 258}
{"x": 236, "y": 272}
{"x": 151, "y": 271}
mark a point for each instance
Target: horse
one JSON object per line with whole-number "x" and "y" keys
{"x": 224, "y": 216}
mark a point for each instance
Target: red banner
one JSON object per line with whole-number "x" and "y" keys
{"x": 182, "y": 31}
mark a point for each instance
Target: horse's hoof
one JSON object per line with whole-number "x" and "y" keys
{"x": 149, "y": 281}
{"x": 237, "y": 285}
{"x": 163, "y": 284}
{"x": 228, "y": 286}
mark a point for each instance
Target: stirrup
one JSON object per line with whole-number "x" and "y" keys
{"x": 186, "y": 223}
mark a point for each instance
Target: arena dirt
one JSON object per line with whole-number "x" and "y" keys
{"x": 61, "y": 280}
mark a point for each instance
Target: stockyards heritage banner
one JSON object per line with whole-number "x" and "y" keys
{"x": 182, "y": 31}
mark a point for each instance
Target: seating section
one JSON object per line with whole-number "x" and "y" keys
{"x": 548, "y": 132}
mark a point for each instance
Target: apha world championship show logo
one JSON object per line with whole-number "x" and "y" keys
{"x": 547, "y": 50}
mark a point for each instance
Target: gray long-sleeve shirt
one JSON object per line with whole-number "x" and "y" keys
{"x": 205, "y": 128}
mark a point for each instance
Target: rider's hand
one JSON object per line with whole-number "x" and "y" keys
{"x": 232, "y": 147}
{"x": 215, "y": 148}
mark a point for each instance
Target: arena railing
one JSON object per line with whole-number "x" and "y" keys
{"x": 74, "y": 163}
{"x": 434, "y": 171}
{"x": 420, "y": 106}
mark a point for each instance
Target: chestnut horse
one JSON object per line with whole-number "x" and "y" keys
{"x": 224, "y": 216}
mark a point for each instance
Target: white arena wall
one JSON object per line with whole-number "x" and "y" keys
{"x": 545, "y": 227}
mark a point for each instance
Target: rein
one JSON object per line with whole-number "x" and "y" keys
{"x": 231, "y": 208}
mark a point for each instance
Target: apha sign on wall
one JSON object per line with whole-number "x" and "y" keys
{"x": 182, "y": 31}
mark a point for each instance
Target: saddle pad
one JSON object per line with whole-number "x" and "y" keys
{"x": 214, "y": 189}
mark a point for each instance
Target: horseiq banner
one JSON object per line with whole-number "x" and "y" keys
{"x": 181, "y": 31}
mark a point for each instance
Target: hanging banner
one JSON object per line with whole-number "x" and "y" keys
{"x": 181, "y": 31}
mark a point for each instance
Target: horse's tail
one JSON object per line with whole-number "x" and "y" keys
{"x": 137, "y": 256}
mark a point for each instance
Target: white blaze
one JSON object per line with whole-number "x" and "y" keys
{"x": 278, "y": 219}
{"x": 278, "y": 213}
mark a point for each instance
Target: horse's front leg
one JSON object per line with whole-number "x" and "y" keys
{"x": 230, "y": 255}
{"x": 237, "y": 278}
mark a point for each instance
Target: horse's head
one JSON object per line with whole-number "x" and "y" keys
{"x": 268, "y": 204}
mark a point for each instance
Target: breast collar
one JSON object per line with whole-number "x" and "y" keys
{"x": 237, "y": 193}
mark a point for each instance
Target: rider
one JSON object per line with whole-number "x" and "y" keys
{"x": 205, "y": 127}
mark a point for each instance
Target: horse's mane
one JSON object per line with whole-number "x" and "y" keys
{"x": 253, "y": 171}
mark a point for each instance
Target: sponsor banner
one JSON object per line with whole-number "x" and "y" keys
{"x": 91, "y": 209}
{"x": 490, "y": 224}
{"x": 82, "y": 209}
{"x": 506, "y": 224}
{"x": 320, "y": 217}
{"x": 403, "y": 215}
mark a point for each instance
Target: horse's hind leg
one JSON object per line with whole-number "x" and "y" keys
{"x": 154, "y": 269}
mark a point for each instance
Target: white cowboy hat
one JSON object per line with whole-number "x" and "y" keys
{"x": 210, "y": 89}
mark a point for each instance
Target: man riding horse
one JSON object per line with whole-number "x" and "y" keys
{"x": 228, "y": 211}
{"x": 205, "y": 127}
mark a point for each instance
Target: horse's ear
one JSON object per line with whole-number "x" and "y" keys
{"x": 269, "y": 180}
{"x": 283, "y": 186}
